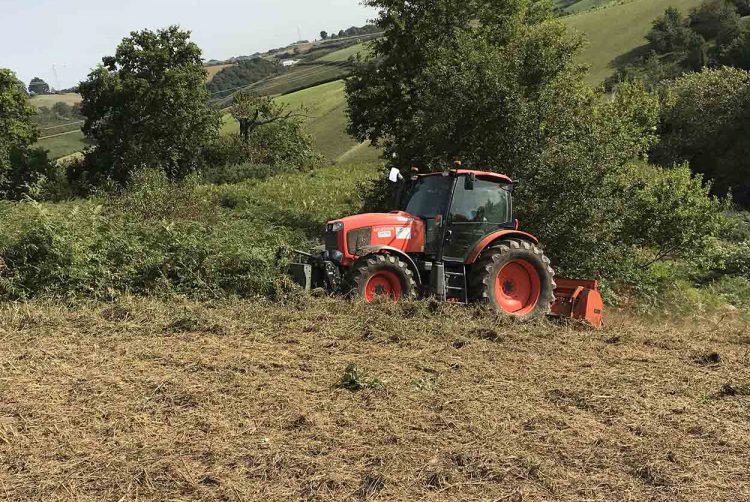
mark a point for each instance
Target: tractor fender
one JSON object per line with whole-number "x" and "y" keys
{"x": 494, "y": 237}
{"x": 368, "y": 250}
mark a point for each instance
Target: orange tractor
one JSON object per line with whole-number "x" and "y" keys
{"x": 453, "y": 237}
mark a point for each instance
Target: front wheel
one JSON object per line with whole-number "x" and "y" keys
{"x": 515, "y": 278}
{"x": 382, "y": 277}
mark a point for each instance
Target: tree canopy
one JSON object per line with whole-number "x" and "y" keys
{"x": 147, "y": 106}
{"x": 38, "y": 86}
{"x": 21, "y": 166}
{"x": 705, "y": 121}
{"x": 495, "y": 84}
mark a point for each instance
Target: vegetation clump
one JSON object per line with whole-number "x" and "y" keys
{"x": 354, "y": 379}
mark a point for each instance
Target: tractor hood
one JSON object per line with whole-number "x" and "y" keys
{"x": 396, "y": 230}
{"x": 355, "y": 222}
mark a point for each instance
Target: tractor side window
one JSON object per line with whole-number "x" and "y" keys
{"x": 429, "y": 196}
{"x": 489, "y": 202}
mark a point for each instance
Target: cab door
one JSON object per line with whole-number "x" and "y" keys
{"x": 479, "y": 207}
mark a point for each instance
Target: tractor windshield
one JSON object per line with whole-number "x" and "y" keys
{"x": 428, "y": 196}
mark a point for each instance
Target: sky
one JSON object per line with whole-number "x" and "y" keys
{"x": 39, "y": 37}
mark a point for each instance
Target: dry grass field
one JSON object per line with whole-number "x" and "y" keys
{"x": 237, "y": 401}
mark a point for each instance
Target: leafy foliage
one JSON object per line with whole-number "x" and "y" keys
{"x": 38, "y": 86}
{"x": 354, "y": 379}
{"x": 506, "y": 94}
{"x": 22, "y": 167}
{"x": 737, "y": 52}
{"x": 711, "y": 36}
{"x": 705, "y": 122}
{"x": 147, "y": 106}
{"x": 715, "y": 19}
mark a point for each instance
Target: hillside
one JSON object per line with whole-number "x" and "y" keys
{"x": 617, "y": 33}
{"x": 325, "y": 109}
{"x": 212, "y": 71}
{"x": 328, "y": 109}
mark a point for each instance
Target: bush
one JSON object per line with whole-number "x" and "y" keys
{"x": 704, "y": 123}
{"x": 29, "y": 169}
{"x": 236, "y": 173}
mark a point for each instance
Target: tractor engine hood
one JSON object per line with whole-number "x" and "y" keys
{"x": 398, "y": 230}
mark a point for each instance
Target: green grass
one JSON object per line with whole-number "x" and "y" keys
{"x": 63, "y": 145}
{"x": 618, "y": 31}
{"x": 584, "y": 5}
{"x": 345, "y": 54}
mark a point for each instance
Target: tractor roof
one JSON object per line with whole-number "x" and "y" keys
{"x": 483, "y": 174}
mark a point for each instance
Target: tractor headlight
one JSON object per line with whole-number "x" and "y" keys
{"x": 336, "y": 227}
{"x": 357, "y": 239}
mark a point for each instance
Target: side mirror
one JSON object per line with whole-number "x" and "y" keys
{"x": 469, "y": 182}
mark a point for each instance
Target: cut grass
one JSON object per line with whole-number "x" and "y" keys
{"x": 618, "y": 32}
{"x": 149, "y": 400}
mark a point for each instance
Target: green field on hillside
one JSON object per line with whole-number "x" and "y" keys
{"x": 584, "y": 5}
{"x": 325, "y": 110}
{"x": 618, "y": 32}
{"x": 345, "y": 54}
{"x": 63, "y": 144}
{"x": 326, "y": 105}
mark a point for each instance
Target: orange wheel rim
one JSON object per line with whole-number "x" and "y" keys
{"x": 383, "y": 284}
{"x": 517, "y": 288}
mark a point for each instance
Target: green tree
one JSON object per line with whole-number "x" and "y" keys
{"x": 62, "y": 109}
{"x": 737, "y": 52}
{"x": 270, "y": 134}
{"x": 705, "y": 121}
{"x": 147, "y": 106}
{"x": 253, "y": 111}
{"x": 495, "y": 84}
{"x": 21, "y": 166}
{"x": 742, "y": 6}
{"x": 715, "y": 19}
{"x": 38, "y": 86}
{"x": 670, "y": 33}
{"x": 324, "y": 35}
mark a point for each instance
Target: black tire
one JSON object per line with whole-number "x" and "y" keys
{"x": 531, "y": 260}
{"x": 382, "y": 265}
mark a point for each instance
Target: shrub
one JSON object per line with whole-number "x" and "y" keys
{"x": 703, "y": 122}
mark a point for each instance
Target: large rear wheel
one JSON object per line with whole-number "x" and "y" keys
{"x": 383, "y": 277}
{"x": 515, "y": 278}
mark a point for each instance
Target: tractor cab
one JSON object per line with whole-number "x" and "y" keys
{"x": 458, "y": 208}
{"x": 452, "y": 236}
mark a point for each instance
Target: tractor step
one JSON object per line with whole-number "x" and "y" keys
{"x": 456, "y": 285}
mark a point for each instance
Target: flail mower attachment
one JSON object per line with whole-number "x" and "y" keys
{"x": 579, "y": 300}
